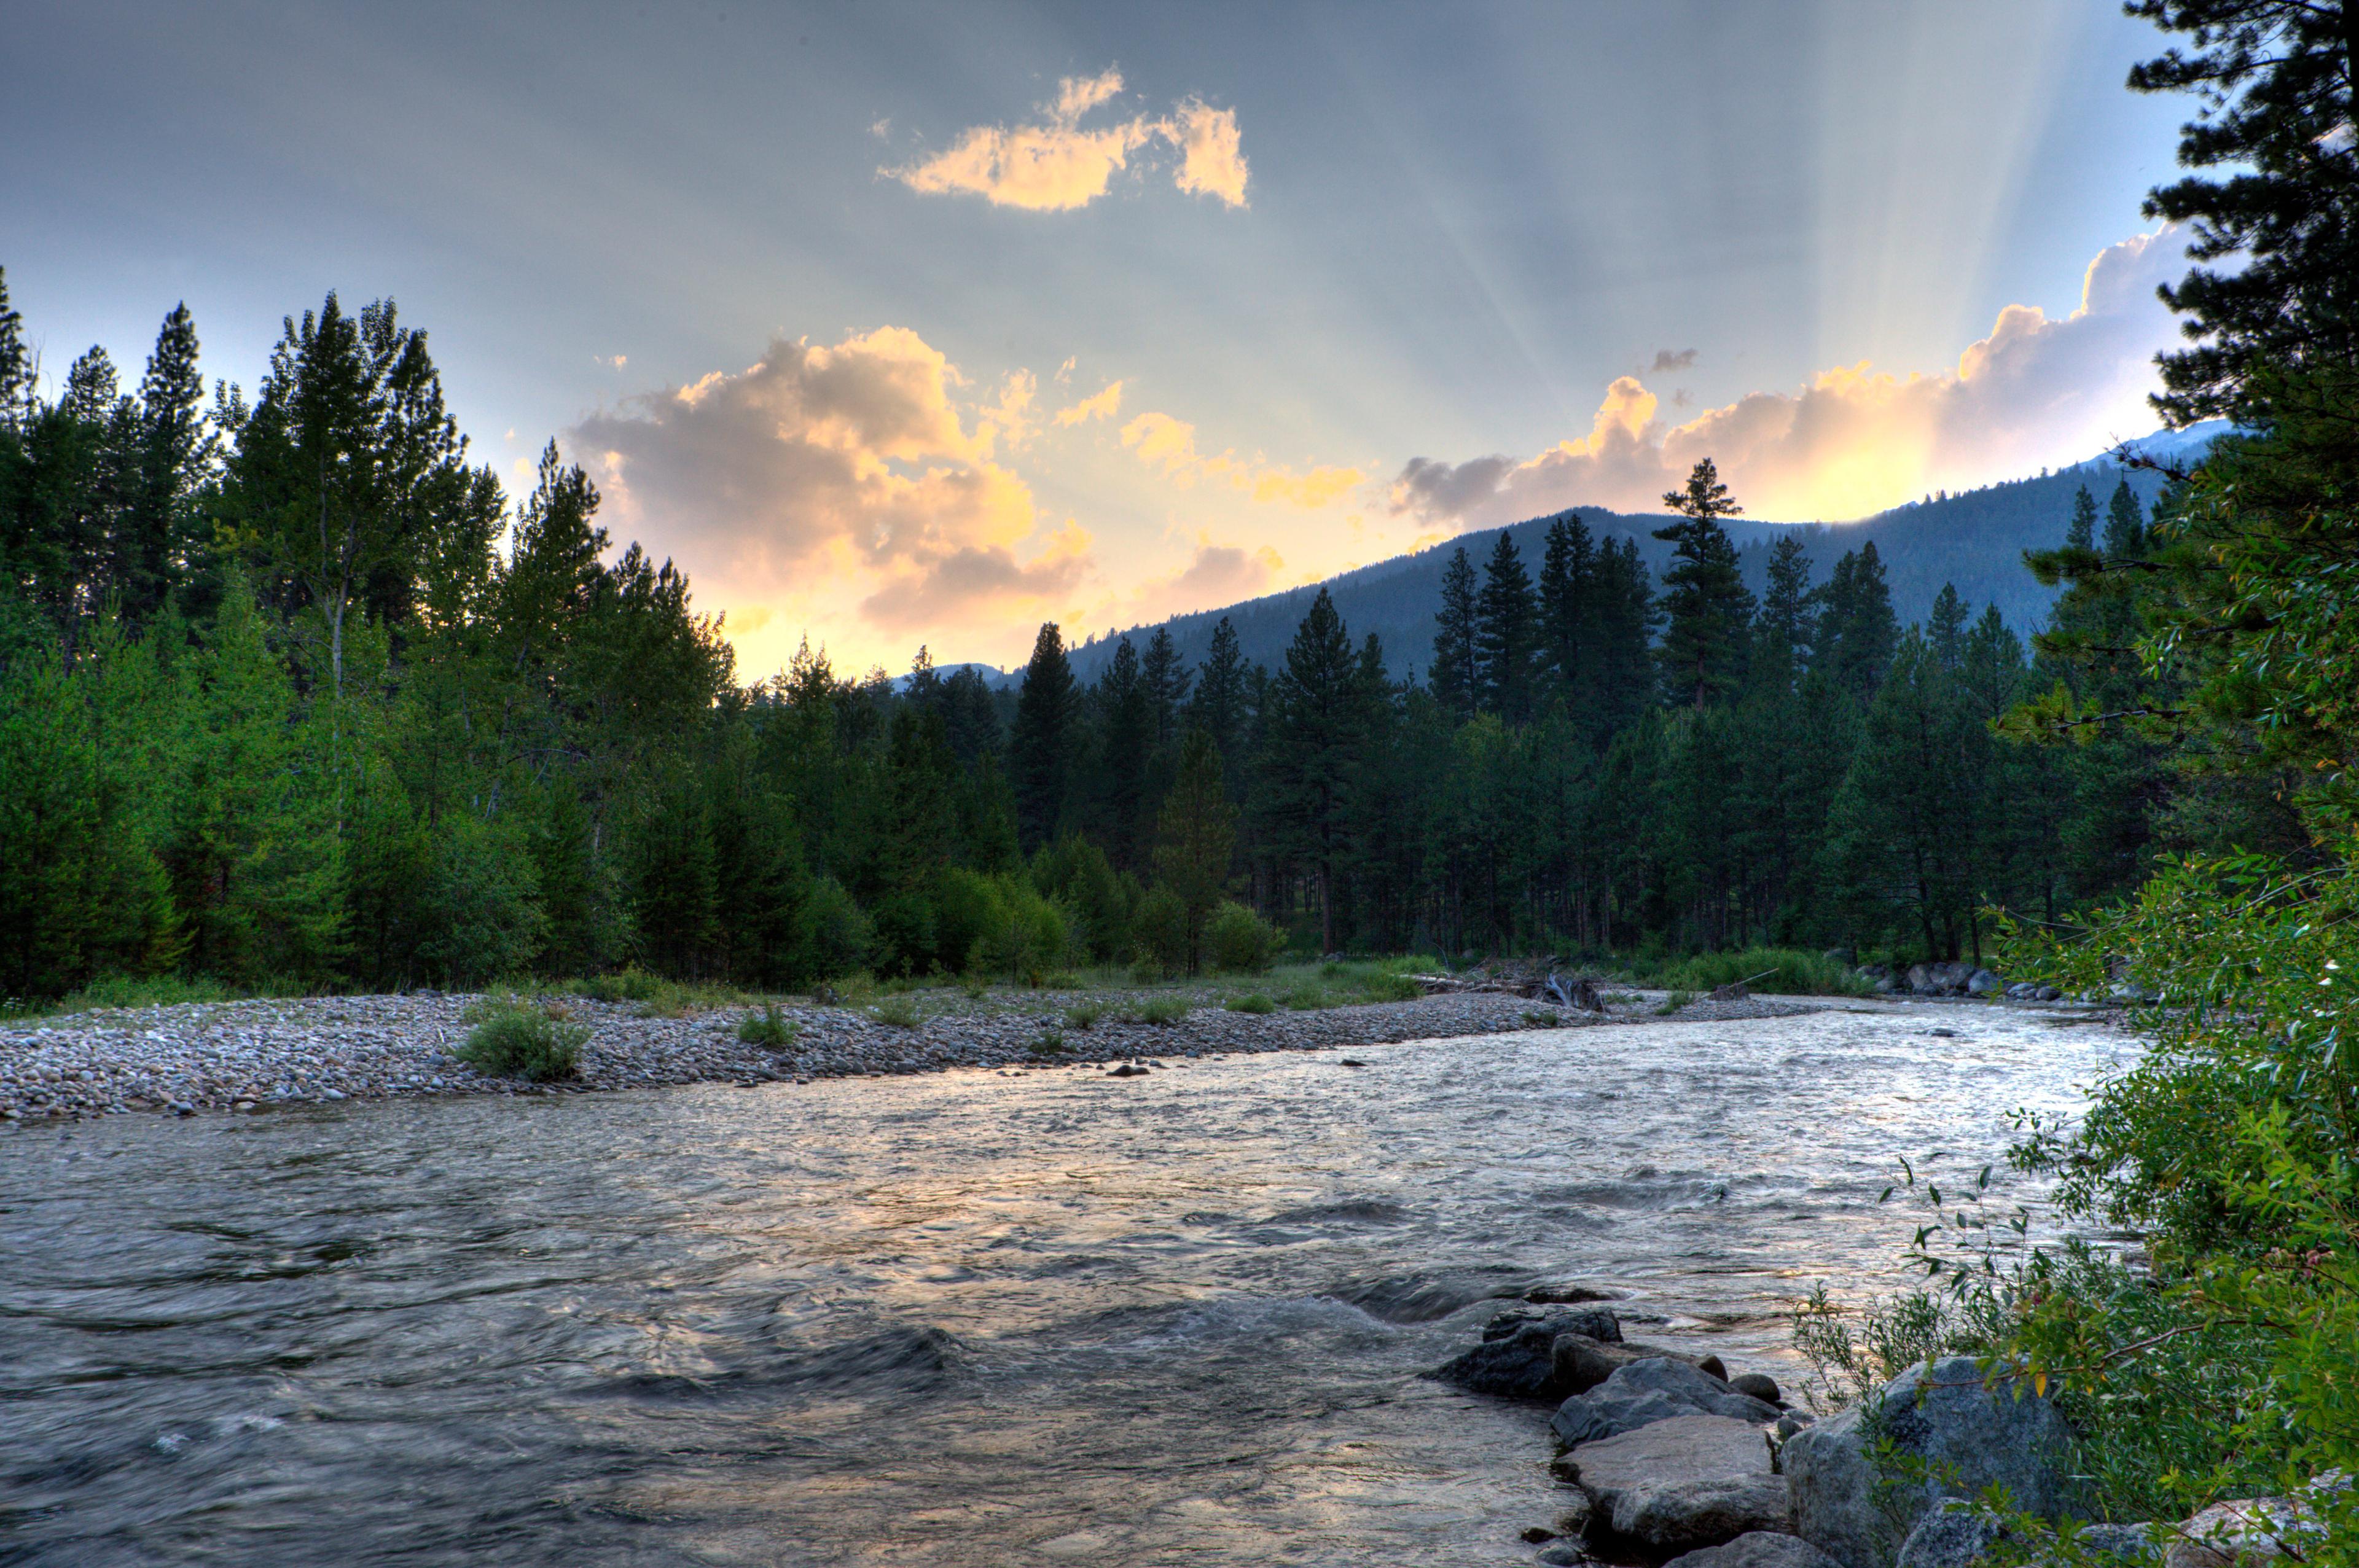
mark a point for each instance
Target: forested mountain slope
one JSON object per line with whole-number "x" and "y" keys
{"x": 1974, "y": 540}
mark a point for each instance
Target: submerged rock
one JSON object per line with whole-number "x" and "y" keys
{"x": 1516, "y": 1360}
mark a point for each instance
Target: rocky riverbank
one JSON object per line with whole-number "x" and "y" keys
{"x": 1670, "y": 1459}
{"x": 250, "y": 1055}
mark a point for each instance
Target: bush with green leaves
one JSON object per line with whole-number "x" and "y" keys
{"x": 1158, "y": 930}
{"x": 833, "y": 933}
{"x": 1240, "y": 942}
{"x": 898, "y": 1012}
{"x": 1774, "y": 971}
{"x": 515, "y": 1039}
{"x": 1161, "y": 1011}
{"x": 1252, "y": 1002}
{"x": 770, "y": 1029}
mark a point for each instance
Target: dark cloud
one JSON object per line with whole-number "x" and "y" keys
{"x": 1437, "y": 492}
{"x": 1667, "y": 359}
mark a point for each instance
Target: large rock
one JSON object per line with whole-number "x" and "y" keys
{"x": 1516, "y": 1360}
{"x": 1679, "y": 1485}
{"x": 1957, "y": 1535}
{"x": 1757, "y": 1549}
{"x": 2245, "y": 1533}
{"x": 1982, "y": 982}
{"x": 1948, "y": 1435}
{"x": 1582, "y": 1363}
{"x": 1645, "y": 1392}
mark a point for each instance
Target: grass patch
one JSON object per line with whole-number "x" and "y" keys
{"x": 1084, "y": 1014}
{"x": 1673, "y": 1002}
{"x": 1255, "y": 1002}
{"x": 897, "y": 1011}
{"x": 1543, "y": 1018}
{"x": 1162, "y": 1011}
{"x": 515, "y": 1039}
{"x": 1050, "y": 1043}
{"x": 769, "y": 1028}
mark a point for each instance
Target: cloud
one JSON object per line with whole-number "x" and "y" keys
{"x": 1211, "y": 161}
{"x": 821, "y": 475}
{"x": 1215, "y": 575}
{"x": 1055, "y": 165}
{"x": 2035, "y": 391}
{"x": 1168, "y": 444}
{"x": 1104, "y": 406}
{"x": 1665, "y": 360}
{"x": 612, "y": 362}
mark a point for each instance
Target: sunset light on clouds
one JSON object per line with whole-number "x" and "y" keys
{"x": 928, "y": 327}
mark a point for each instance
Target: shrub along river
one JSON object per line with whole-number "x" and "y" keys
{"x": 970, "y": 1317}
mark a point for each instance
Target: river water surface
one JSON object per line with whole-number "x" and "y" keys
{"x": 968, "y": 1319}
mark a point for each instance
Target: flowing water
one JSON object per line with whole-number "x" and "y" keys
{"x": 969, "y": 1319}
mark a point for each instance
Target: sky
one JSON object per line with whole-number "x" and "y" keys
{"x": 898, "y": 324}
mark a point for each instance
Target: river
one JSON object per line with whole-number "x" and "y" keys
{"x": 970, "y": 1318}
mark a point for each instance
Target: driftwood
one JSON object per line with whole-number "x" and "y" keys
{"x": 1734, "y": 989}
{"x": 1538, "y": 984}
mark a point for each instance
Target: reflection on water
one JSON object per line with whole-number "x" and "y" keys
{"x": 980, "y": 1319}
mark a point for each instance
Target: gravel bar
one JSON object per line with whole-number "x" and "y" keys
{"x": 250, "y": 1055}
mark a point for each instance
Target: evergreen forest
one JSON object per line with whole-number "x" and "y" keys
{"x": 294, "y": 694}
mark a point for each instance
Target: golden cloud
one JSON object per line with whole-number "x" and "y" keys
{"x": 1104, "y": 406}
{"x": 2035, "y": 391}
{"x": 1169, "y": 444}
{"x": 825, "y": 477}
{"x": 1056, "y": 165}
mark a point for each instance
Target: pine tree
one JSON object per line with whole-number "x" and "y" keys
{"x": 1195, "y": 836}
{"x": 1126, "y": 731}
{"x": 2125, "y": 523}
{"x": 2278, "y": 82}
{"x": 1789, "y": 609}
{"x": 1627, "y": 617}
{"x": 2081, "y": 533}
{"x": 174, "y": 454}
{"x": 1313, "y": 749}
{"x": 1568, "y": 589}
{"x": 1857, "y": 631}
{"x": 16, "y": 367}
{"x": 1705, "y": 601}
{"x": 1507, "y": 634}
{"x": 1945, "y": 629}
{"x": 1457, "y": 661}
{"x": 1039, "y": 760}
{"x": 1165, "y": 678}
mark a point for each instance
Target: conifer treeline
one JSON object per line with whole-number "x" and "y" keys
{"x": 291, "y": 692}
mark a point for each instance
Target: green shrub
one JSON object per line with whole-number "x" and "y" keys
{"x": 1158, "y": 933}
{"x": 1255, "y": 1002}
{"x": 897, "y": 1011}
{"x": 1084, "y": 1014}
{"x": 126, "y": 990}
{"x": 1393, "y": 988}
{"x": 1673, "y": 1002}
{"x": 1240, "y": 942}
{"x": 1049, "y": 1044}
{"x": 1306, "y": 998}
{"x": 632, "y": 984}
{"x": 833, "y": 933}
{"x": 512, "y": 1039}
{"x": 1791, "y": 972}
{"x": 769, "y": 1028}
{"x": 1161, "y": 1011}
{"x": 1544, "y": 1018}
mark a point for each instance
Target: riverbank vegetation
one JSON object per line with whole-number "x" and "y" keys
{"x": 2215, "y": 1360}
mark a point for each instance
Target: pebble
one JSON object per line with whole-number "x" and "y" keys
{"x": 251, "y": 1056}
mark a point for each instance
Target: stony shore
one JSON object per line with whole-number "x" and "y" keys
{"x": 250, "y": 1055}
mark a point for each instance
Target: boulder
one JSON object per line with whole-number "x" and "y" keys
{"x": 1582, "y": 1363}
{"x": 1760, "y": 1385}
{"x": 1951, "y": 1538}
{"x": 2130, "y": 1543}
{"x": 1950, "y": 1436}
{"x": 1757, "y": 1549}
{"x": 1982, "y": 982}
{"x": 2242, "y": 1535}
{"x": 1676, "y": 1485}
{"x": 1516, "y": 1360}
{"x": 1647, "y": 1391}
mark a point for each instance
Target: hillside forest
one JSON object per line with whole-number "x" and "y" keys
{"x": 292, "y": 693}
